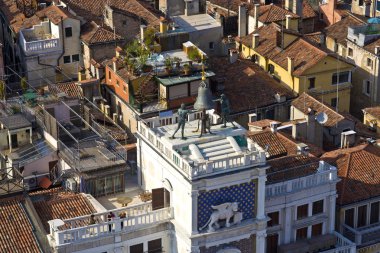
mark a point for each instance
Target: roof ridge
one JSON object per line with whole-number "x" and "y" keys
{"x": 324, "y": 105}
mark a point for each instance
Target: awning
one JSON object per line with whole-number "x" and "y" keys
{"x": 45, "y": 182}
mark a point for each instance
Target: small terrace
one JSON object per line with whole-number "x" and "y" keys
{"x": 363, "y": 236}
{"x": 362, "y": 35}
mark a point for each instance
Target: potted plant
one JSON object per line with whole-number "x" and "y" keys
{"x": 168, "y": 65}
{"x": 146, "y": 68}
{"x": 177, "y": 61}
{"x": 194, "y": 54}
{"x": 187, "y": 69}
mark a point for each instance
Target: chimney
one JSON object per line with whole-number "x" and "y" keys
{"x": 347, "y": 139}
{"x": 242, "y": 29}
{"x": 256, "y": 17}
{"x": 302, "y": 149}
{"x": 297, "y": 8}
{"x": 377, "y": 50}
{"x": 255, "y": 40}
{"x": 287, "y": 5}
{"x": 252, "y": 117}
{"x": 273, "y": 126}
{"x": 233, "y": 55}
{"x": 142, "y": 32}
{"x": 163, "y": 25}
{"x": 322, "y": 39}
{"x": 290, "y": 65}
{"x": 291, "y": 23}
{"x": 114, "y": 64}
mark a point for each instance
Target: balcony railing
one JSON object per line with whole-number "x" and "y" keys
{"x": 137, "y": 217}
{"x": 342, "y": 245}
{"x": 324, "y": 174}
{"x": 363, "y": 236}
{"x": 41, "y": 45}
{"x": 194, "y": 170}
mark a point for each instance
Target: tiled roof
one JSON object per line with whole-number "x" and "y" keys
{"x": 70, "y": 88}
{"x": 268, "y": 140}
{"x": 243, "y": 80}
{"x": 231, "y": 4}
{"x": 304, "y": 54}
{"x": 373, "y": 111}
{"x": 16, "y": 230}
{"x": 371, "y": 46}
{"x": 57, "y": 203}
{"x": 307, "y": 10}
{"x": 263, "y": 124}
{"x": 94, "y": 9}
{"x": 339, "y": 30}
{"x": 291, "y": 167}
{"x": 359, "y": 169}
{"x": 305, "y": 101}
{"x": 92, "y": 33}
{"x": 272, "y": 13}
{"x": 15, "y": 121}
{"x": 54, "y": 14}
{"x": 314, "y": 37}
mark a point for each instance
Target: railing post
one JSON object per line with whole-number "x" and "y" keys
{"x": 358, "y": 238}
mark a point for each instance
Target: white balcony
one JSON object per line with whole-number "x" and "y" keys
{"x": 342, "y": 245}
{"x": 137, "y": 217}
{"x": 363, "y": 236}
{"x": 39, "y": 45}
{"x": 192, "y": 169}
{"x": 325, "y": 174}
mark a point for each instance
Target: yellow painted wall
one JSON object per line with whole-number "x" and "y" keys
{"x": 368, "y": 118}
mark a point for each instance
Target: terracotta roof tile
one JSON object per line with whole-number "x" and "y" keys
{"x": 243, "y": 80}
{"x": 305, "y": 101}
{"x": 262, "y": 124}
{"x": 16, "y": 230}
{"x": 231, "y": 4}
{"x": 373, "y": 111}
{"x": 272, "y": 13}
{"x": 91, "y": 33}
{"x": 54, "y": 14}
{"x": 57, "y": 203}
{"x": 359, "y": 169}
{"x": 307, "y": 10}
{"x": 70, "y": 88}
{"x": 304, "y": 53}
{"x": 268, "y": 140}
{"x": 92, "y": 10}
{"x": 291, "y": 167}
{"x": 339, "y": 30}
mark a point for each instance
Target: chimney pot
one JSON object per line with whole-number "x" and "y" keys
{"x": 273, "y": 126}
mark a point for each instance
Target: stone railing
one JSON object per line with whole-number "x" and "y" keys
{"x": 194, "y": 170}
{"x": 324, "y": 174}
{"x": 363, "y": 236}
{"x": 137, "y": 217}
{"x": 47, "y": 45}
{"x": 342, "y": 245}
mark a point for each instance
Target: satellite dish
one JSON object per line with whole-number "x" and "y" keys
{"x": 322, "y": 118}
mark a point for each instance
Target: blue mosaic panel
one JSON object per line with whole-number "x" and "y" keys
{"x": 242, "y": 193}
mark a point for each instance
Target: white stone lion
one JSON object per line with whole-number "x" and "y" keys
{"x": 223, "y": 211}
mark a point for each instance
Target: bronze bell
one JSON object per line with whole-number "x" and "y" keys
{"x": 204, "y": 99}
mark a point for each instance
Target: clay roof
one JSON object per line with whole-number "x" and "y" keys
{"x": 373, "y": 111}
{"x": 272, "y": 13}
{"x": 92, "y": 10}
{"x": 263, "y": 124}
{"x": 54, "y": 14}
{"x": 291, "y": 167}
{"x": 231, "y": 4}
{"x": 314, "y": 37}
{"x": 57, "y": 203}
{"x": 70, "y": 88}
{"x": 304, "y": 53}
{"x": 243, "y": 80}
{"x": 91, "y": 33}
{"x": 339, "y": 30}
{"x": 307, "y": 10}
{"x": 305, "y": 101}
{"x": 359, "y": 169}
{"x": 269, "y": 140}
{"x": 16, "y": 230}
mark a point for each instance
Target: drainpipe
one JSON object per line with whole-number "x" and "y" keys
{"x": 63, "y": 43}
{"x": 376, "y": 79}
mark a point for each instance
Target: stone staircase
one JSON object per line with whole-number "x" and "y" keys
{"x": 216, "y": 149}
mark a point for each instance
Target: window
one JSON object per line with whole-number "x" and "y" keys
{"x": 155, "y": 246}
{"x": 361, "y": 2}
{"x": 350, "y": 52}
{"x": 334, "y": 102}
{"x": 369, "y": 63}
{"x": 138, "y": 248}
{"x": 301, "y": 234}
{"x": 272, "y": 243}
{"x": 374, "y": 218}
{"x": 318, "y": 207}
{"x": 341, "y": 77}
{"x": 66, "y": 59}
{"x": 109, "y": 75}
{"x": 349, "y": 217}
{"x": 302, "y": 211}
{"x": 68, "y": 32}
{"x": 367, "y": 87}
{"x": 312, "y": 83}
{"x": 211, "y": 45}
{"x": 362, "y": 216}
{"x": 274, "y": 219}
{"x": 270, "y": 68}
{"x": 125, "y": 89}
{"x": 255, "y": 58}
{"x": 316, "y": 229}
{"x": 75, "y": 58}
{"x": 117, "y": 83}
